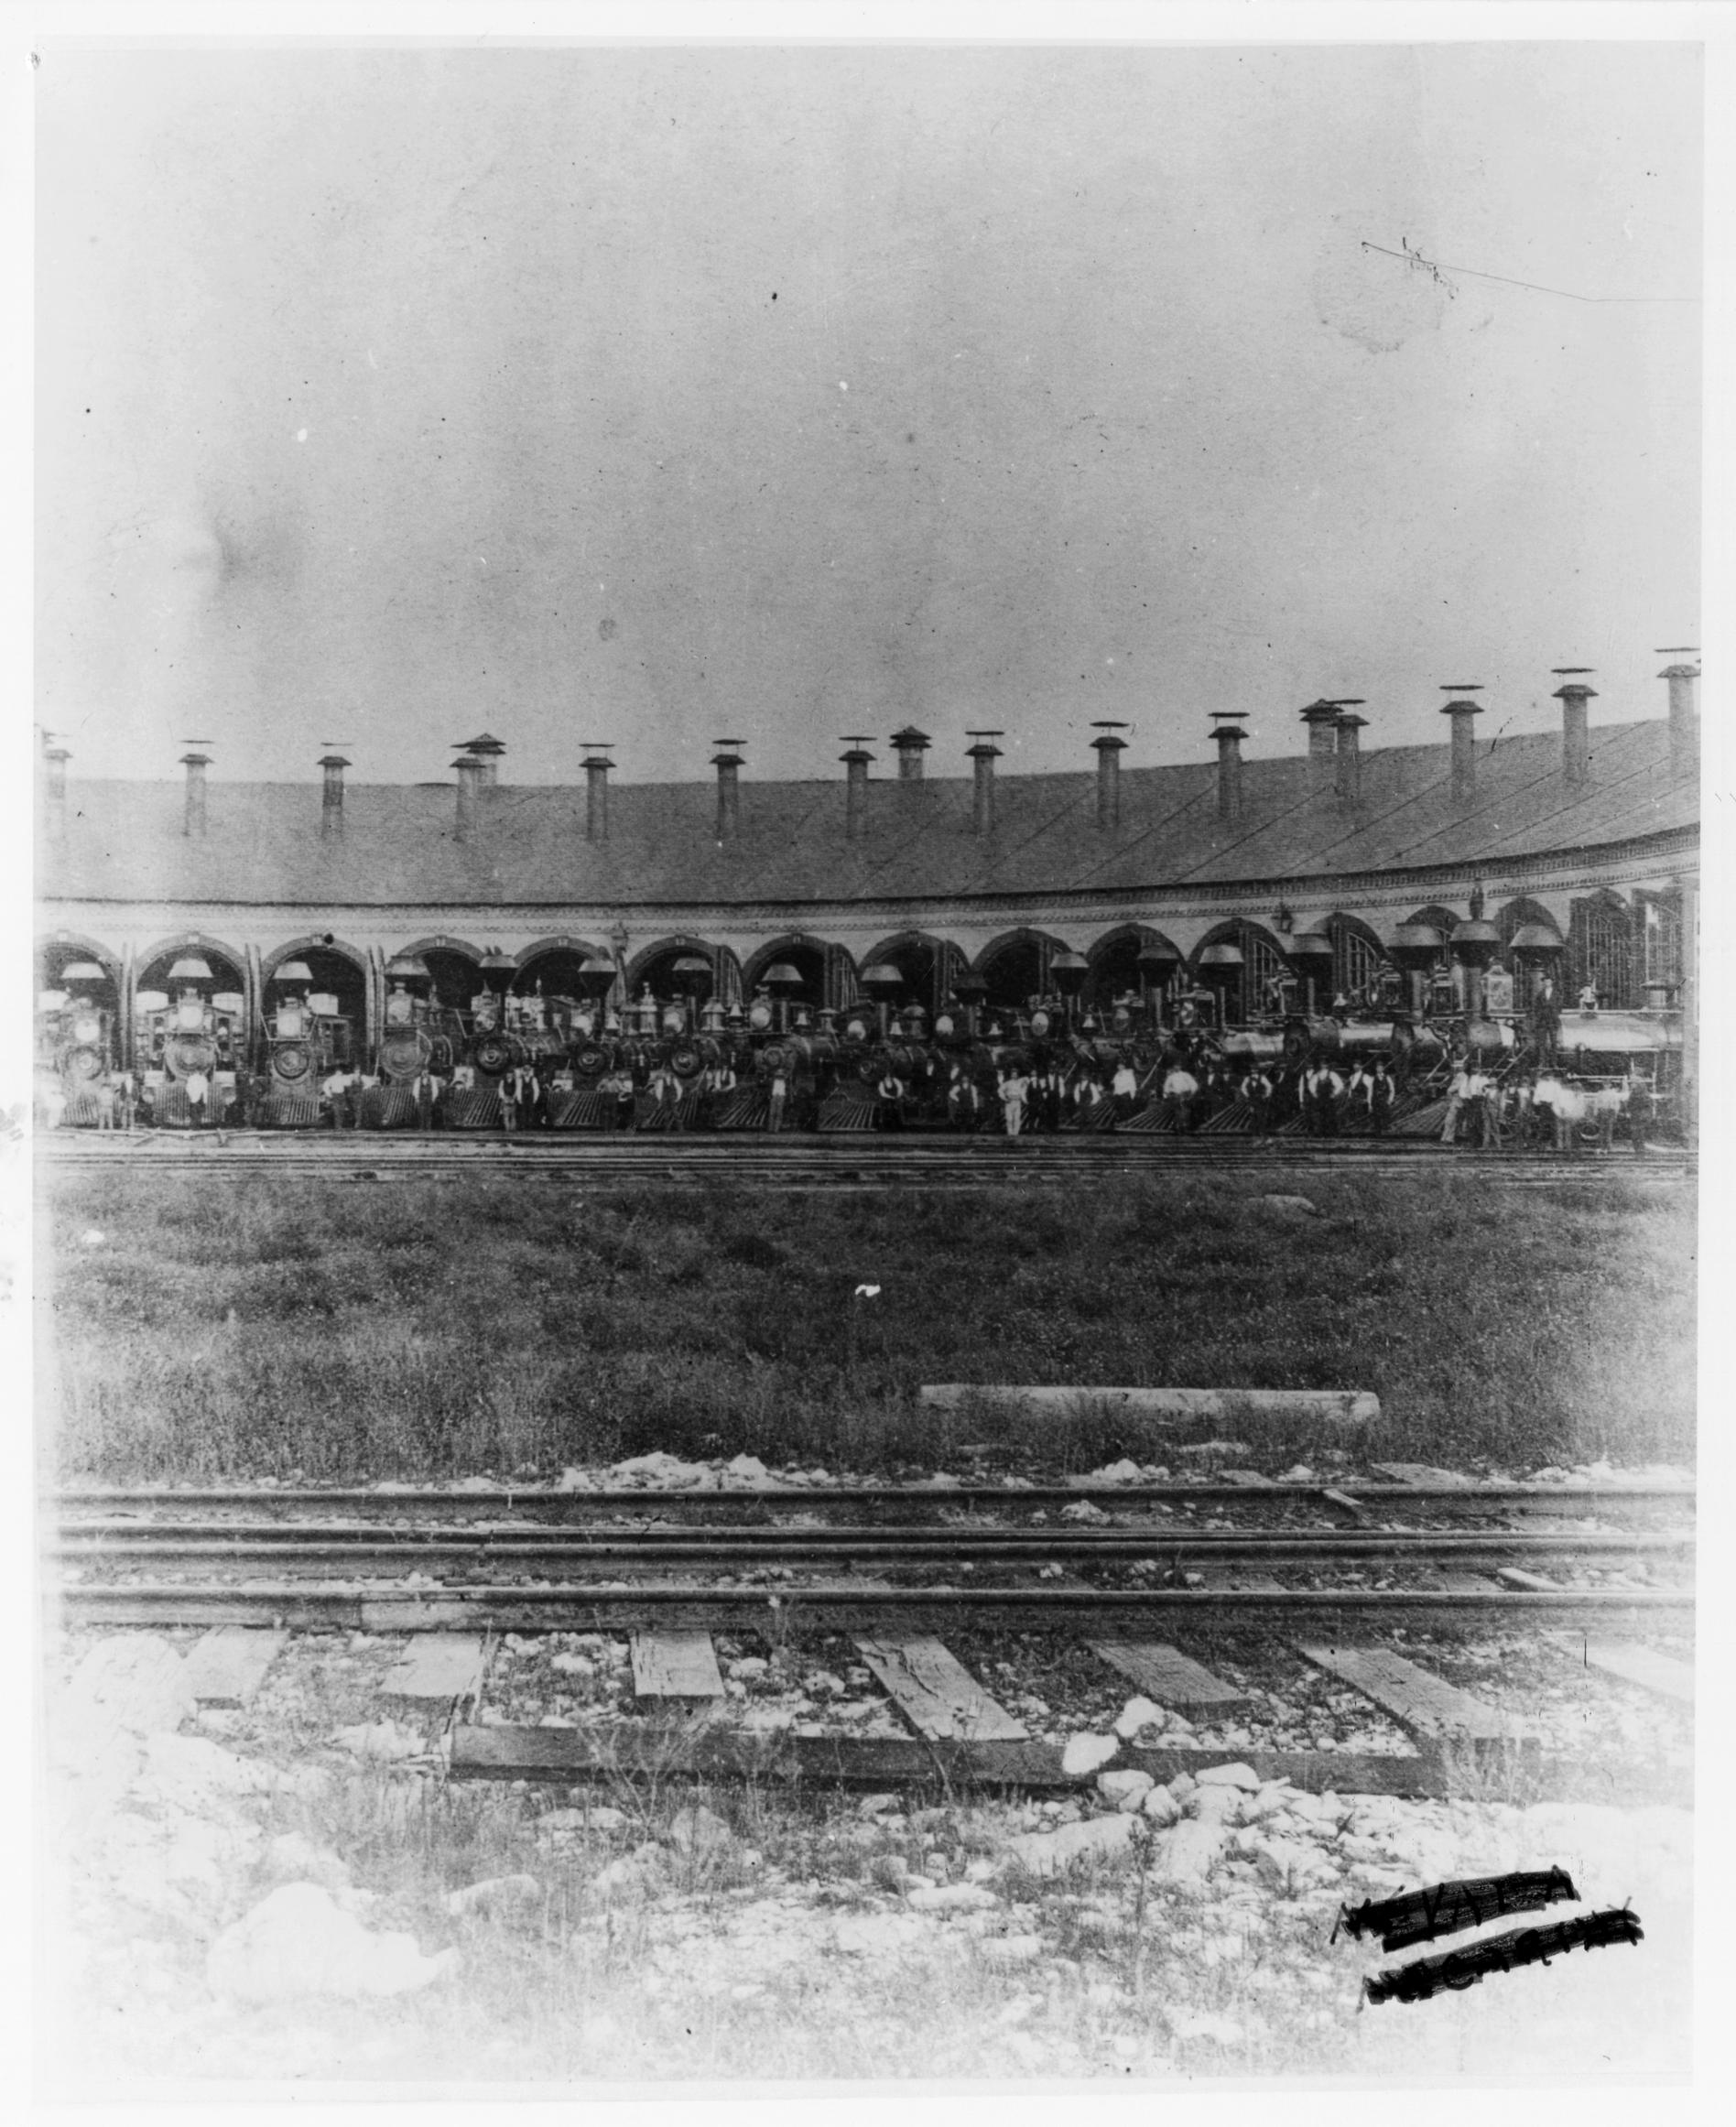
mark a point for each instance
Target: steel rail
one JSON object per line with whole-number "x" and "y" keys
{"x": 915, "y": 1546}
{"x": 575, "y": 1606}
{"x": 539, "y": 1498}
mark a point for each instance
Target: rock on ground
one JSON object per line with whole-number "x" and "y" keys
{"x": 297, "y": 1941}
{"x": 1085, "y": 1754}
{"x": 1043, "y": 1851}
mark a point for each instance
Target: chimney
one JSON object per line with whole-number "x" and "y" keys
{"x": 1226, "y": 729}
{"x": 597, "y": 765}
{"x": 1109, "y": 750}
{"x": 485, "y": 751}
{"x": 1464, "y": 737}
{"x": 332, "y": 798}
{"x": 1350, "y": 755}
{"x": 911, "y": 745}
{"x": 1684, "y": 715}
{"x": 55, "y": 759}
{"x": 470, "y": 790}
{"x": 1321, "y": 718}
{"x": 1575, "y": 739}
{"x": 856, "y": 787}
{"x": 727, "y": 761}
{"x": 985, "y": 753}
{"x": 195, "y": 763}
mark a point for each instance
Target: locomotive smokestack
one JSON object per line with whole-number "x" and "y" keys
{"x": 1350, "y": 755}
{"x": 1464, "y": 738}
{"x": 1109, "y": 750}
{"x": 911, "y": 745}
{"x": 470, "y": 795}
{"x": 332, "y": 796}
{"x": 856, "y": 762}
{"x": 985, "y": 753}
{"x": 1576, "y": 737}
{"x": 1228, "y": 734}
{"x": 1684, "y": 715}
{"x": 195, "y": 763}
{"x": 597, "y": 766}
{"x": 54, "y": 761}
{"x": 727, "y": 761}
{"x": 1321, "y": 718}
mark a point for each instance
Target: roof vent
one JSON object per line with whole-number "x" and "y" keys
{"x": 1684, "y": 714}
{"x": 470, "y": 795}
{"x": 1349, "y": 776}
{"x": 1463, "y": 711}
{"x": 1226, "y": 729}
{"x": 54, "y": 760}
{"x": 597, "y": 765}
{"x": 985, "y": 753}
{"x": 856, "y": 763}
{"x": 1321, "y": 718}
{"x": 910, "y": 744}
{"x": 487, "y": 751}
{"x": 1576, "y": 737}
{"x": 332, "y": 796}
{"x": 727, "y": 761}
{"x": 1109, "y": 750}
{"x": 195, "y": 763}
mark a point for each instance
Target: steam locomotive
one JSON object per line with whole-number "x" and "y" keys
{"x": 686, "y": 1062}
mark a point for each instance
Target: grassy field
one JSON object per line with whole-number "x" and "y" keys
{"x": 201, "y": 1330}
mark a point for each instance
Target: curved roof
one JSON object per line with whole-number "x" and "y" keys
{"x": 263, "y": 843}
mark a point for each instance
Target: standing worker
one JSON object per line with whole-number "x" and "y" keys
{"x": 779, "y": 1100}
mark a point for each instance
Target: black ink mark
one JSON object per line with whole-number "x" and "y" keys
{"x": 606, "y": 628}
{"x": 1459, "y": 1969}
{"x": 1445, "y": 1908}
{"x": 1437, "y": 269}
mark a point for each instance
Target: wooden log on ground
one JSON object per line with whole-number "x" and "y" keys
{"x": 563, "y": 1755}
{"x": 1227, "y": 1407}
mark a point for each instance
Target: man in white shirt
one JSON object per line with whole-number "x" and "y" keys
{"x": 1320, "y": 1089}
{"x": 1458, "y": 1093}
{"x": 198, "y": 1094}
{"x": 1013, "y": 1092}
{"x": 1180, "y": 1087}
{"x": 1566, "y": 1104}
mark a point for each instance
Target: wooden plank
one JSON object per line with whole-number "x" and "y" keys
{"x": 1164, "y": 1674}
{"x": 1527, "y": 1583}
{"x": 227, "y": 1667}
{"x": 1635, "y": 1664}
{"x": 1241, "y": 1406}
{"x": 1254, "y": 1480}
{"x": 128, "y": 1685}
{"x": 1467, "y": 1584}
{"x": 438, "y": 1665}
{"x": 1346, "y": 1505}
{"x": 937, "y": 1694}
{"x": 674, "y": 1666}
{"x": 1424, "y": 1704}
{"x": 564, "y": 1755}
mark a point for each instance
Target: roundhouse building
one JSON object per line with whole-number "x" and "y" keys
{"x": 1581, "y": 847}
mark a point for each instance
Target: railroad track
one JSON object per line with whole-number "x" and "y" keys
{"x": 806, "y": 1162}
{"x": 1123, "y": 1576}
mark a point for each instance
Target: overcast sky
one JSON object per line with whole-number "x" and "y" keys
{"x": 655, "y": 396}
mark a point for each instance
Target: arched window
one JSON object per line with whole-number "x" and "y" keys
{"x": 1357, "y": 958}
{"x": 1660, "y": 939}
{"x": 1600, "y": 950}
